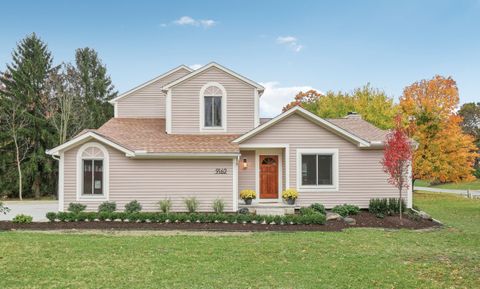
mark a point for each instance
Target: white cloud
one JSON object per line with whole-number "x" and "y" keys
{"x": 276, "y": 97}
{"x": 187, "y": 20}
{"x": 207, "y": 23}
{"x": 291, "y": 42}
{"x": 195, "y": 66}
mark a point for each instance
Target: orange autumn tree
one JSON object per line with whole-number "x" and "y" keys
{"x": 307, "y": 100}
{"x": 444, "y": 153}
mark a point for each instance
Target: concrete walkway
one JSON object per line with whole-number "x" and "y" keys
{"x": 36, "y": 209}
{"x": 473, "y": 193}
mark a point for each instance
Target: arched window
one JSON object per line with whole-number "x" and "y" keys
{"x": 213, "y": 107}
{"x": 92, "y": 172}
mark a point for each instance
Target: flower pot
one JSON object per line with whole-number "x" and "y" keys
{"x": 248, "y": 201}
{"x": 291, "y": 201}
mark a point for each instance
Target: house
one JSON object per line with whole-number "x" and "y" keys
{"x": 198, "y": 133}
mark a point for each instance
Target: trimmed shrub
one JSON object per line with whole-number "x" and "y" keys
{"x": 133, "y": 207}
{"x": 165, "y": 205}
{"x": 383, "y": 207}
{"x": 312, "y": 217}
{"x": 108, "y": 207}
{"x": 346, "y": 210}
{"x": 191, "y": 204}
{"x": 378, "y": 207}
{"x": 318, "y": 207}
{"x": 394, "y": 205}
{"x": 218, "y": 206}
{"x": 22, "y": 219}
{"x": 76, "y": 207}
{"x": 307, "y": 211}
{"x": 51, "y": 216}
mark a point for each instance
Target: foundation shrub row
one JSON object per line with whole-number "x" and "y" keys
{"x": 159, "y": 217}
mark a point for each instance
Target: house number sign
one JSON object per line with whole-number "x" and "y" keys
{"x": 221, "y": 171}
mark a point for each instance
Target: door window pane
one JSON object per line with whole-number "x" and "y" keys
{"x": 309, "y": 170}
{"x": 324, "y": 169}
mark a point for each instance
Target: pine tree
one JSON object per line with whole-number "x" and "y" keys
{"x": 24, "y": 87}
{"x": 96, "y": 86}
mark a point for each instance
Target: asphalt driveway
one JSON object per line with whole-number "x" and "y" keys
{"x": 36, "y": 209}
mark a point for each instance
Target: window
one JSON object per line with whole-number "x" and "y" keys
{"x": 317, "y": 169}
{"x": 213, "y": 111}
{"x": 213, "y": 107}
{"x": 92, "y": 177}
{"x": 92, "y": 172}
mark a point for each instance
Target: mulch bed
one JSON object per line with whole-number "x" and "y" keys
{"x": 364, "y": 220}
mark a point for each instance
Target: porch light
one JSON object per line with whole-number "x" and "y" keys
{"x": 245, "y": 165}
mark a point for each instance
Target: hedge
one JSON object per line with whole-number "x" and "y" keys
{"x": 158, "y": 217}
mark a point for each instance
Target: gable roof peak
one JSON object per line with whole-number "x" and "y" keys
{"x": 216, "y": 65}
{"x": 128, "y": 92}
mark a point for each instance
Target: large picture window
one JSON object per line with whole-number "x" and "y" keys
{"x": 213, "y": 107}
{"x": 317, "y": 169}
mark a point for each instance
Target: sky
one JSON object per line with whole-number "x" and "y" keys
{"x": 285, "y": 45}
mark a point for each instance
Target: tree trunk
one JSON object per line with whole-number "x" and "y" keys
{"x": 400, "y": 206}
{"x": 36, "y": 187}
{"x": 19, "y": 168}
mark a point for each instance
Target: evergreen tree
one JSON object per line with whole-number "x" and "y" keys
{"x": 96, "y": 86}
{"x": 27, "y": 75}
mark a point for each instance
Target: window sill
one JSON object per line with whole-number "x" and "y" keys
{"x": 92, "y": 198}
{"x": 213, "y": 129}
{"x": 317, "y": 189}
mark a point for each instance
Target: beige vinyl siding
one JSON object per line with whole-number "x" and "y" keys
{"x": 360, "y": 173}
{"x": 246, "y": 177}
{"x": 186, "y": 103}
{"x": 148, "y": 101}
{"x": 150, "y": 181}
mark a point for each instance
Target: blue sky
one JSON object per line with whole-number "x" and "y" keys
{"x": 286, "y": 45}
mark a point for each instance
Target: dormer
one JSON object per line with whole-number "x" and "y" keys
{"x": 212, "y": 100}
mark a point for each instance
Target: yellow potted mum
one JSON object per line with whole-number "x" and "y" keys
{"x": 248, "y": 196}
{"x": 290, "y": 195}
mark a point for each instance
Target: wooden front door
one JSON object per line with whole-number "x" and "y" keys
{"x": 268, "y": 177}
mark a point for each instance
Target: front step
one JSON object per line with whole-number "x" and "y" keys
{"x": 274, "y": 209}
{"x": 270, "y": 211}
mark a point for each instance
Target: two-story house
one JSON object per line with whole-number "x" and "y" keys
{"x": 197, "y": 133}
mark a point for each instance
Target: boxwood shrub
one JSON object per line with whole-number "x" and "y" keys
{"x": 346, "y": 210}
{"x": 154, "y": 217}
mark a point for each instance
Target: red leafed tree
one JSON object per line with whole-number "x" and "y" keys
{"x": 397, "y": 157}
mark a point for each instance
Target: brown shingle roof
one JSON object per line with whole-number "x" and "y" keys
{"x": 148, "y": 134}
{"x": 360, "y": 128}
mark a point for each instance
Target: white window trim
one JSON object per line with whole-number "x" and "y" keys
{"x": 335, "y": 169}
{"x": 106, "y": 169}
{"x": 203, "y": 128}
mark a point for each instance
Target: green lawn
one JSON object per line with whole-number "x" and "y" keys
{"x": 357, "y": 258}
{"x": 475, "y": 185}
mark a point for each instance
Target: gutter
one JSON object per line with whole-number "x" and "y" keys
{"x": 146, "y": 155}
